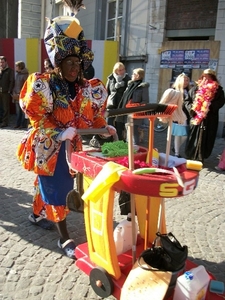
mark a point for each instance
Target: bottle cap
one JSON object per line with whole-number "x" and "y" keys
{"x": 129, "y": 217}
{"x": 189, "y": 275}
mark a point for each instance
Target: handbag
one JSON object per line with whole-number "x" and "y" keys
{"x": 166, "y": 254}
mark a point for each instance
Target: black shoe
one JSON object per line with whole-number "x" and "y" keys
{"x": 178, "y": 156}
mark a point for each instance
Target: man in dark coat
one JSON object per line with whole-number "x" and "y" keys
{"x": 6, "y": 87}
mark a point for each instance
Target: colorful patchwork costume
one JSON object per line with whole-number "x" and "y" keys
{"x": 53, "y": 104}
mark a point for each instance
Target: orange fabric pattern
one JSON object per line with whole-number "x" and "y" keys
{"x": 45, "y": 100}
{"x": 51, "y": 112}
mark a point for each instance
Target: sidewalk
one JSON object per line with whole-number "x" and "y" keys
{"x": 32, "y": 267}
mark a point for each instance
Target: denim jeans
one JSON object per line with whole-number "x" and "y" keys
{"x": 20, "y": 116}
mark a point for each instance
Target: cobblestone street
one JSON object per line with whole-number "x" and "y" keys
{"x": 32, "y": 266}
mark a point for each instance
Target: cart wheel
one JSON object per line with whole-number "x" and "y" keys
{"x": 101, "y": 282}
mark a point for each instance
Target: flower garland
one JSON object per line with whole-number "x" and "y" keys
{"x": 204, "y": 95}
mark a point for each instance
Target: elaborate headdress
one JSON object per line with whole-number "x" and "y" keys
{"x": 64, "y": 37}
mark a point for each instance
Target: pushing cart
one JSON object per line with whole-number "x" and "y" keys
{"x": 97, "y": 257}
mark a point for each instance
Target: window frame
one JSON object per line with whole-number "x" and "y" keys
{"x": 117, "y": 21}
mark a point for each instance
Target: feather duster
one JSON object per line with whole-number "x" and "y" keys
{"x": 74, "y": 5}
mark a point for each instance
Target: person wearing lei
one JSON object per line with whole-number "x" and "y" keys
{"x": 203, "y": 104}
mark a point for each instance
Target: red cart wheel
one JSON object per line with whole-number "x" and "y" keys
{"x": 101, "y": 282}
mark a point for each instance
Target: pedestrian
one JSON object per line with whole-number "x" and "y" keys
{"x": 59, "y": 103}
{"x": 179, "y": 125}
{"x": 6, "y": 87}
{"x": 21, "y": 76}
{"x": 203, "y": 104}
{"x": 116, "y": 85}
{"x": 180, "y": 131}
{"x": 136, "y": 92}
{"x": 48, "y": 65}
{"x": 221, "y": 164}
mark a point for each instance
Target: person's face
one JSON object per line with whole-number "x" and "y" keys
{"x": 207, "y": 77}
{"x": 47, "y": 66}
{"x": 186, "y": 82}
{"x": 2, "y": 63}
{"x": 135, "y": 76}
{"x": 70, "y": 68}
{"x": 17, "y": 68}
{"x": 120, "y": 71}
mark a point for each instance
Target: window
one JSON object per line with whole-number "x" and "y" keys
{"x": 114, "y": 14}
{"x": 61, "y": 9}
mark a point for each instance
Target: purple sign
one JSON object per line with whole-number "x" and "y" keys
{"x": 196, "y": 56}
{"x": 192, "y": 59}
{"x": 172, "y": 57}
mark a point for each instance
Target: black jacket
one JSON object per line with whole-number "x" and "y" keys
{"x": 7, "y": 80}
{"x": 115, "y": 91}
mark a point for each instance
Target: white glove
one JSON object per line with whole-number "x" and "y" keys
{"x": 111, "y": 130}
{"x": 68, "y": 134}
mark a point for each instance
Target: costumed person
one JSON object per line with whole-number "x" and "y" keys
{"x": 180, "y": 131}
{"x": 179, "y": 127}
{"x": 136, "y": 92}
{"x": 57, "y": 104}
{"x": 203, "y": 104}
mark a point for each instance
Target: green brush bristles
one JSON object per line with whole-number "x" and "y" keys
{"x": 114, "y": 149}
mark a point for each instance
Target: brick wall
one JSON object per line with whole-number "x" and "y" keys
{"x": 30, "y": 18}
{"x": 192, "y": 14}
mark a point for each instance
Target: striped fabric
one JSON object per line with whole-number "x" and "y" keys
{"x": 33, "y": 53}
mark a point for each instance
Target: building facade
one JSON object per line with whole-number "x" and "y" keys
{"x": 164, "y": 37}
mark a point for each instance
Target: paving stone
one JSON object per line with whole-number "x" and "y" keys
{"x": 34, "y": 268}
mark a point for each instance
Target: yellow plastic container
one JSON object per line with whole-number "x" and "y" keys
{"x": 109, "y": 174}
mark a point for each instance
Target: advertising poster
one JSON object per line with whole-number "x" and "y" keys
{"x": 186, "y": 59}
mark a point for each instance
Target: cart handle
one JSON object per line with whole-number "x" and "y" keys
{"x": 86, "y": 131}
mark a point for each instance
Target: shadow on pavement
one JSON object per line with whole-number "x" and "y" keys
{"x": 16, "y": 205}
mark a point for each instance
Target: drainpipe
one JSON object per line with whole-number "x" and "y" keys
{"x": 19, "y": 19}
{"x": 43, "y": 3}
{"x": 42, "y": 18}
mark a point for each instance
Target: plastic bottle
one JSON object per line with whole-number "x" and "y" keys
{"x": 155, "y": 158}
{"x": 123, "y": 235}
{"x": 192, "y": 285}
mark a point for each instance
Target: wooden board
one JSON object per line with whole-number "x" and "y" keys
{"x": 141, "y": 284}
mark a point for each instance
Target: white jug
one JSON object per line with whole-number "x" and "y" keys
{"x": 123, "y": 235}
{"x": 192, "y": 285}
